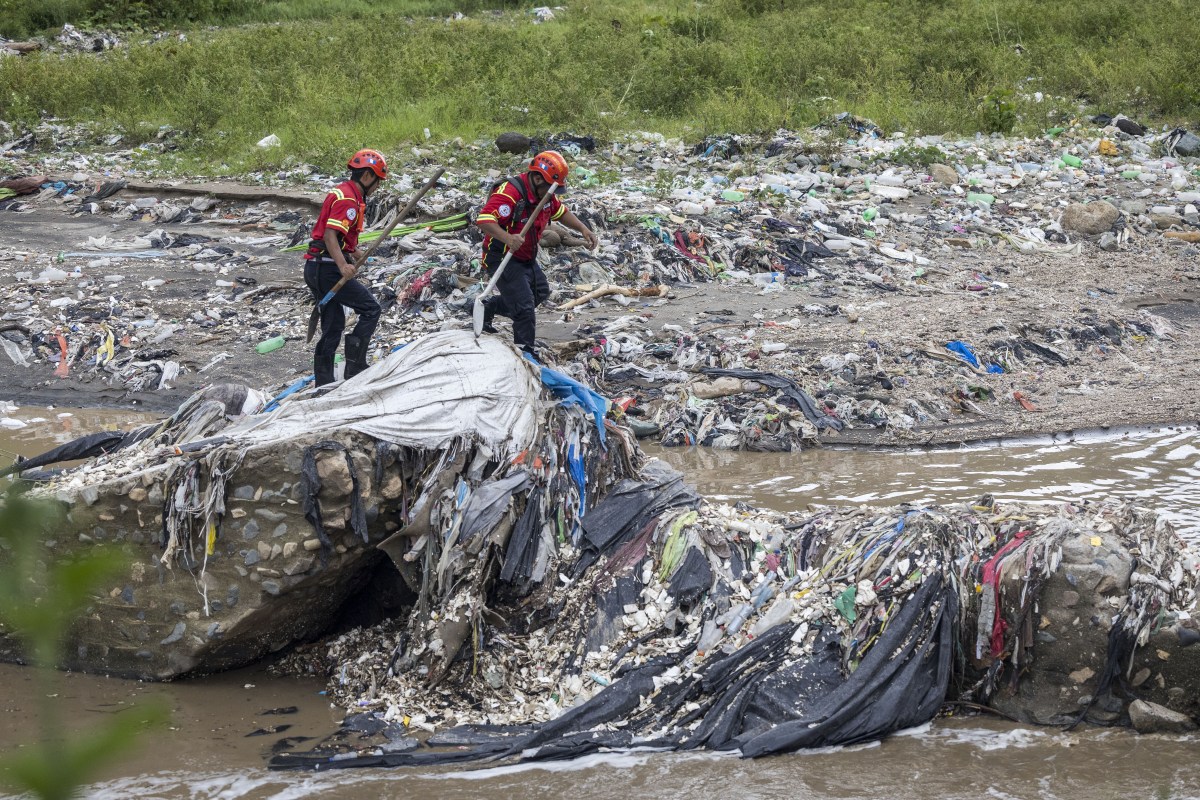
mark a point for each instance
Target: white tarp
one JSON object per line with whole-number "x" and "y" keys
{"x": 441, "y": 387}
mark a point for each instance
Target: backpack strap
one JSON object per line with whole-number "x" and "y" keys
{"x": 523, "y": 200}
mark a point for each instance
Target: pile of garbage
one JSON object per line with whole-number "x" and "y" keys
{"x": 669, "y": 622}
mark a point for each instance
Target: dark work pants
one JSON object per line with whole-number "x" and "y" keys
{"x": 321, "y": 275}
{"x": 522, "y": 288}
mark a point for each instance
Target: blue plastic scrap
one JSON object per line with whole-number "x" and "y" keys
{"x": 572, "y": 392}
{"x": 964, "y": 351}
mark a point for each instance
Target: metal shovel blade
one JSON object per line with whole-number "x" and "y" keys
{"x": 477, "y": 315}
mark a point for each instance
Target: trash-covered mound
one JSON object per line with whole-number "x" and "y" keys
{"x": 246, "y": 535}
{"x": 668, "y": 622}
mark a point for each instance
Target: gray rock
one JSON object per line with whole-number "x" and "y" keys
{"x": 1091, "y": 219}
{"x": 943, "y": 174}
{"x": 515, "y": 143}
{"x": 1188, "y": 146}
{"x": 1108, "y": 242}
{"x": 176, "y": 634}
{"x": 1153, "y": 718}
{"x": 1133, "y": 207}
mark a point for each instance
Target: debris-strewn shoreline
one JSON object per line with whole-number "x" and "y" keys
{"x": 867, "y": 291}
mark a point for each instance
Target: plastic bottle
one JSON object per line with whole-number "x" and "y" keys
{"x": 1072, "y": 161}
{"x": 1130, "y": 174}
{"x": 980, "y": 198}
{"x": 870, "y": 214}
{"x": 270, "y": 345}
{"x": 710, "y": 637}
{"x": 780, "y": 611}
{"x": 733, "y": 195}
{"x": 739, "y": 618}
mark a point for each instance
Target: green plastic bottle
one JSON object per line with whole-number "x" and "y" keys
{"x": 981, "y": 198}
{"x": 1130, "y": 174}
{"x": 733, "y": 195}
{"x": 870, "y": 214}
{"x": 1072, "y": 161}
{"x": 270, "y": 345}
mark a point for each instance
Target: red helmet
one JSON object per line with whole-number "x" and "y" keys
{"x": 369, "y": 159}
{"x": 550, "y": 165}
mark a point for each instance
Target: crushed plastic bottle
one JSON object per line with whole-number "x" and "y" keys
{"x": 980, "y": 198}
{"x": 1072, "y": 161}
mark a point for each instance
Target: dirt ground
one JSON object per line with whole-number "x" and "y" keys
{"x": 1141, "y": 375}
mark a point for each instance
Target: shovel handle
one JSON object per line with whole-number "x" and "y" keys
{"x": 429, "y": 184}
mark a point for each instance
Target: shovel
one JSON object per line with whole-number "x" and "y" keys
{"x": 477, "y": 312}
{"x": 316, "y": 312}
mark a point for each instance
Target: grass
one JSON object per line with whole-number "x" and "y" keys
{"x": 330, "y": 77}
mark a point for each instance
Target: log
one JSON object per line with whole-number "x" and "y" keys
{"x": 609, "y": 289}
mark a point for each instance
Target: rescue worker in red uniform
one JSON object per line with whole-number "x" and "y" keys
{"x": 523, "y": 286}
{"x": 332, "y": 255}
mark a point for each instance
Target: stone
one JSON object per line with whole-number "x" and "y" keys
{"x": 1082, "y": 675}
{"x": 1149, "y": 717}
{"x": 515, "y": 143}
{"x": 392, "y": 487}
{"x": 264, "y": 551}
{"x": 1070, "y": 599}
{"x": 1108, "y": 242}
{"x": 176, "y": 634}
{"x": 1188, "y": 146}
{"x": 943, "y": 174}
{"x": 312, "y": 544}
{"x": 334, "y": 473}
{"x": 1141, "y": 677}
{"x": 1091, "y": 219}
{"x": 137, "y": 494}
{"x": 289, "y": 549}
{"x": 1164, "y": 221}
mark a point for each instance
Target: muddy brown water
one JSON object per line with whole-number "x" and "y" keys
{"x": 207, "y": 753}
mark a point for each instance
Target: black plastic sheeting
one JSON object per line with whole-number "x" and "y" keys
{"x": 754, "y": 700}
{"x": 94, "y": 444}
{"x": 790, "y": 389}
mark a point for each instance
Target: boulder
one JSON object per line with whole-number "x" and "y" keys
{"x": 943, "y": 174}
{"x": 515, "y": 143}
{"x": 1153, "y": 718}
{"x": 1091, "y": 219}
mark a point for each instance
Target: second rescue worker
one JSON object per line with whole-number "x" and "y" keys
{"x": 522, "y": 285}
{"x": 332, "y": 255}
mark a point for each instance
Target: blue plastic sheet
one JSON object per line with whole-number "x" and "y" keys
{"x": 964, "y": 351}
{"x": 572, "y": 392}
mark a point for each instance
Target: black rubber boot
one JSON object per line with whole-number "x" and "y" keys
{"x": 356, "y": 356}
{"x": 489, "y": 314}
{"x": 323, "y": 370}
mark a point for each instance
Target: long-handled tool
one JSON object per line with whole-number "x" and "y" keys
{"x": 477, "y": 312}
{"x": 316, "y": 312}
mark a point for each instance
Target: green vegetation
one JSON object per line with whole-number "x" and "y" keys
{"x": 37, "y": 603}
{"x": 334, "y": 76}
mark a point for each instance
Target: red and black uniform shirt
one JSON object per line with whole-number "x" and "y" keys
{"x": 502, "y": 203}
{"x": 343, "y": 212}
